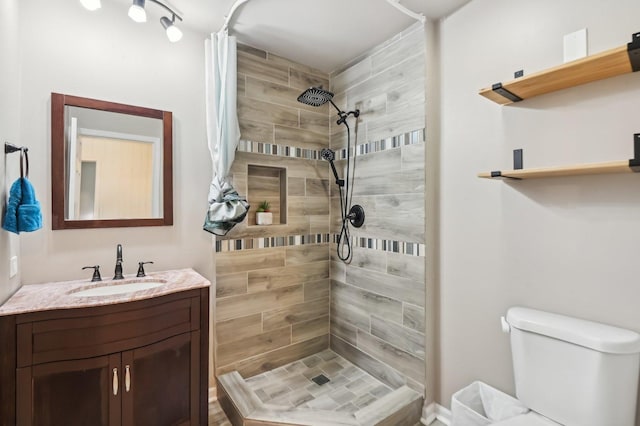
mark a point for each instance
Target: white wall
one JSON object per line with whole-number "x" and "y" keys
{"x": 565, "y": 245}
{"x": 105, "y": 55}
{"x": 431, "y": 197}
{"x": 9, "y": 132}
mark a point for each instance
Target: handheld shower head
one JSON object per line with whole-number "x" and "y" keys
{"x": 315, "y": 96}
{"x": 329, "y": 155}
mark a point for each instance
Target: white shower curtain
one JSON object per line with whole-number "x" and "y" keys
{"x": 226, "y": 207}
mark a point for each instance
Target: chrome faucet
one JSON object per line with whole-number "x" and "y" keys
{"x": 118, "y": 275}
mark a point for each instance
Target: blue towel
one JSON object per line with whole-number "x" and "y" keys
{"x": 23, "y": 210}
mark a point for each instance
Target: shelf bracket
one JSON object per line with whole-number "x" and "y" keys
{"x": 633, "y": 50}
{"x": 517, "y": 164}
{"x": 634, "y": 163}
{"x": 517, "y": 159}
{"x": 498, "y": 174}
{"x": 497, "y": 87}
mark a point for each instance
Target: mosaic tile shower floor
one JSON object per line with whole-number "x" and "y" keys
{"x": 348, "y": 390}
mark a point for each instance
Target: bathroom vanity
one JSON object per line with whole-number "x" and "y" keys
{"x": 130, "y": 358}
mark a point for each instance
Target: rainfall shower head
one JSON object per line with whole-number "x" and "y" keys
{"x": 327, "y": 154}
{"x": 315, "y": 96}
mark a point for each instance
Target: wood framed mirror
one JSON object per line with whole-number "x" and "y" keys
{"x": 111, "y": 164}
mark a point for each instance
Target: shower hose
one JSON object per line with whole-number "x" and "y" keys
{"x": 344, "y": 249}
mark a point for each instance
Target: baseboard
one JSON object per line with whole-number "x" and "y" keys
{"x": 443, "y": 414}
{"x": 433, "y": 412}
{"x": 428, "y": 414}
{"x": 212, "y": 394}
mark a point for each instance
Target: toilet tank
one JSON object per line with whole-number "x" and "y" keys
{"x": 573, "y": 371}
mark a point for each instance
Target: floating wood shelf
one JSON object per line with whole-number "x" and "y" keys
{"x": 610, "y": 63}
{"x": 610, "y": 167}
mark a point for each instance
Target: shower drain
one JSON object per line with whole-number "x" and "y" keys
{"x": 320, "y": 380}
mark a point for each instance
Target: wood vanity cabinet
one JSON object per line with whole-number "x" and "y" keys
{"x": 137, "y": 363}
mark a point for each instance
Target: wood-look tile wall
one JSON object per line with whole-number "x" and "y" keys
{"x": 378, "y": 300}
{"x": 272, "y": 305}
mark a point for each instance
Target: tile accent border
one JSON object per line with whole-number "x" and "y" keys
{"x": 270, "y": 242}
{"x": 409, "y": 138}
{"x": 278, "y": 150}
{"x": 393, "y": 246}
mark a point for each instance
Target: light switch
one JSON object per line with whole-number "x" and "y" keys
{"x": 13, "y": 266}
{"x": 575, "y": 45}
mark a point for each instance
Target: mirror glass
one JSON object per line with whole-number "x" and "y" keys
{"x": 111, "y": 164}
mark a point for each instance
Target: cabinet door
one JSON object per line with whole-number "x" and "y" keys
{"x": 161, "y": 383}
{"x": 71, "y": 393}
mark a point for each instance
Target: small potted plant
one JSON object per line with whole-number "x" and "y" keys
{"x": 263, "y": 215}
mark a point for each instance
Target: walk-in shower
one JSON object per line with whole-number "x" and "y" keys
{"x": 317, "y": 96}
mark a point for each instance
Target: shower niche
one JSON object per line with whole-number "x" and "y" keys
{"x": 267, "y": 184}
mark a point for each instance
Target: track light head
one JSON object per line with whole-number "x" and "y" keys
{"x": 91, "y": 4}
{"x": 137, "y": 12}
{"x": 173, "y": 33}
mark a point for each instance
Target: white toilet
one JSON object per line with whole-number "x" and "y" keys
{"x": 572, "y": 372}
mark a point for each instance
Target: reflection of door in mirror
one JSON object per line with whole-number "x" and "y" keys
{"x": 128, "y": 159}
{"x": 112, "y": 175}
{"x": 86, "y": 207}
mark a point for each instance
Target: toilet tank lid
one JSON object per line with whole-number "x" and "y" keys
{"x": 594, "y": 335}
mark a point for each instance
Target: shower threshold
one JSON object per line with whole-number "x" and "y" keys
{"x": 321, "y": 390}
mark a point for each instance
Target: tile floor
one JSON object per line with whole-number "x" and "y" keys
{"x": 217, "y": 416}
{"x": 348, "y": 390}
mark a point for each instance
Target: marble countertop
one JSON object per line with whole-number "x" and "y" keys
{"x": 59, "y": 295}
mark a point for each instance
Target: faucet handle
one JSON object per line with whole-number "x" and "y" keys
{"x": 96, "y": 272}
{"x": 141, "y": 269}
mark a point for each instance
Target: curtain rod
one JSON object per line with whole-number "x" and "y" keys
{"x": 395, "y": 3}
{"x": 233, "y": 9}
{"x": 419, "y": 16}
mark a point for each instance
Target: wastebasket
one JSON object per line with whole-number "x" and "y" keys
{"x": 479, "y": 404}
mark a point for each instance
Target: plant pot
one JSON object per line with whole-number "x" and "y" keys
{"x": 264, "y": 218}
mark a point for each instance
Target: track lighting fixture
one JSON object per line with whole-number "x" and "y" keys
{"x": 91, "y": 4}
{"x": 138, "y": 13}
{"x": 173, "y": 33}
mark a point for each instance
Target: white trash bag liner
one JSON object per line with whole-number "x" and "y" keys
{"x": 479, "y": 404}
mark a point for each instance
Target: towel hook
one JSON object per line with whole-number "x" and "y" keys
{"x": 10, "y": 148}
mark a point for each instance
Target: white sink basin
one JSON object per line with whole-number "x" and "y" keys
{"x": 111, "y": 289}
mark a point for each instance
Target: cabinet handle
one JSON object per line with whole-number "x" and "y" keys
{"x": 115, "y": 381}
{"x": 127, "y": 378}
